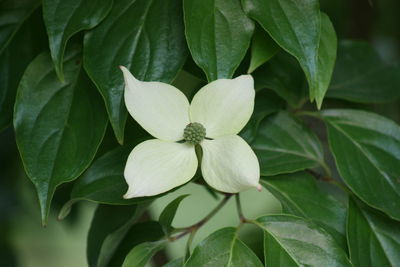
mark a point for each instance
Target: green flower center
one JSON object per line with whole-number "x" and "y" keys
{"x": 194, "y": 133}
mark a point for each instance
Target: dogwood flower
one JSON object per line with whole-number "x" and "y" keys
{"x": 217, "y": 113}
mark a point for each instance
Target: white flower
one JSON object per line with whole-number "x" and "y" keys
{"x": 223, "y": 107}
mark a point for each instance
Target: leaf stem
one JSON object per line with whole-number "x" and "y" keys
{"x": 242, "y": 218}
{"x": 196, "y": 226}
{"x": 329, "y": 179}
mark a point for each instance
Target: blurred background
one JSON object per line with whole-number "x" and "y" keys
{"x": 24, "y": 242}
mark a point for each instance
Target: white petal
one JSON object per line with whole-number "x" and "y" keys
{"x": 229, "y": 164}
{"x": 156, "y": 166}
{"x": 224, "y": 106}
{"x": 160, "y": 108}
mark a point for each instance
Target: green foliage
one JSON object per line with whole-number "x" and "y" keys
{"x": 335, "y": 171}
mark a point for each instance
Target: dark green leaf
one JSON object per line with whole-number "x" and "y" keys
{"x": 296, "y": 27}
{"x": 12, "y": 15}
{"x": 218, "y": 34}
{"x": 266, "y": 103}
{"x": 109, "y": 224}
{"x": 141, "y": 254}
{"x": 223, "y": 248}
{"x": 374, "y": 239}
{"x": 168, "y": 214}
{"x": 262, "y": 49}
{"x": 65, "y": 18}
{"x": 137, "y": 234}
{"x": 284, "y": 145}
{"x": 145, "y": 36}
{"x": 300, "y": 195}
{"x": 293, "y": 241}
{"x": 175, "y": 263}
{"x": 361, "y": 76}
{"x": 26, "y": 44}
{"x": 58, "y": 126}
{"x": 366, "y": 148}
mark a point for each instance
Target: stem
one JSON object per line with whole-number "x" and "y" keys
{"x": 329, "y": 179}
{"x": 189, "y": 243}
{"x": 308, "y": 113}
{"x": 199, "y": 224}
{"x": 239, "y": 209}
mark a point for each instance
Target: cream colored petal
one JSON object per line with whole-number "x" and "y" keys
{"x": 161, "y": 109}
{"x": 224, "y": 106}
{"x": 229, "y": 164}
{"x": 156, "y": 166}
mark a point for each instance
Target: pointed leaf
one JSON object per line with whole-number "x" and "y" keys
{"x": 223, "y": 248}
{"x": 300, "y": 195}
{"x": 141, "y": 254}
{"x": 374, "y": 239}
{"x": 218, "y": 34}
{"x": 263, "y": 47}
{"x": 58, "y": 126}
{"x": 63, "y": 19}
{"x": 361, "y": 75}
{"x": 168, "y": 214}
{"x": 145, "y": 36}
{"x": 293, "y": 241}
{"x": 366, "y": 148}
{"x": 284, "y": 145}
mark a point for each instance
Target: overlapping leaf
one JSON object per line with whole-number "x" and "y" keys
{"x": 65, "y": 18}
{"x": 218, "y": 34}
{"x": 366, "y": 148}
{"x": 58, "y": 126}
{"x": 284, "y": 145}
{"x": 145, "y": 36}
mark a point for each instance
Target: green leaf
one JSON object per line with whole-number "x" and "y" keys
{"x": 137, "y": 234}
{"x": 63, "y": 19}
{"x": 293, "y": 241}
{"x": 168, "y": 214}
{"x": 361, "y": 76}
{"x": 374, "y": 239}
{"x": 263, "y": 48}
{"x": 12, "y": 15}
{"x": 366, "y": 148}
{"x": 296, "y": 27}
{"x": 300, "y": 195}
{"x": 223, "y": 248}
{"x": 141, "y": 254}
{"x": 175, "y": 263}
{"x": 218, "y": 34}
{"x": 145, "y": 36}
{"x": 284, "y": 145}
{"x": 284, "y": 76}
{"x": 266, "y": 103}
{"x": 23, "y": 48}
{"x": 58, "y": 126}
{"x": 105, "y": 234}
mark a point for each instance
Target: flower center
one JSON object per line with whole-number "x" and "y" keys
{"x": 194, "y": 133}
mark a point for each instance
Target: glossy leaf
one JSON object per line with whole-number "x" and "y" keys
{"x": 218, "y": 34}
{"x": 12, "y": 15}
{"x": 284, "y": 76}
{"x": 296, "y": 27}
{"x": 266, "y": 103}
{"x": 223, "y": 248}
{"x": 63, "y": 19}
{"x": 284, "y": 145}
{"x": 137, "y": 234}
{"x": 366, "y": 148}
{"x": 300, "y": 195}
{"x": 168, "y": 214}
{"x": 374, "y": 239}
{"x": 262, "y": 49}
{"x": 293, "y": 241}
{"x": 141, "y": 254}
{"x": 24, "y": 47}
{"x": 58, "y": 126}
{"x": 361, "y": 75}
{"x": 145, "y": 36}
